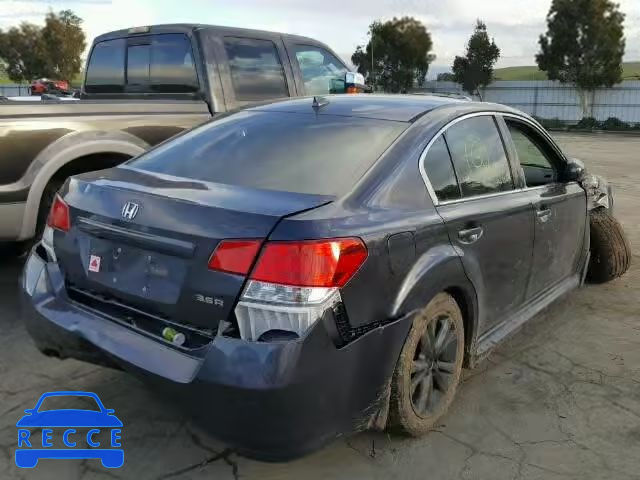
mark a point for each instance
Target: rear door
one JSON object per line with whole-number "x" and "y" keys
{"x": 253, "y": 67}
{"x": 487, "y": 217}
{"x": 159, "y": 64}
{"x": 560, "y": 207}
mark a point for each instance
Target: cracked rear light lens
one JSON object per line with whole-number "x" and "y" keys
{"x": 59, "y": 215}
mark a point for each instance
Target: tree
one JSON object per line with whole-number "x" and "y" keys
{"x": 397, "y": 55}
{"x": 30, "y": 51}
{"x": 21, "y": 51}
{"x": 446, "y": 77}
{"x": 584, "y": 45}
{"x": 64, "y": 42}
{"x": 475, "y": 69}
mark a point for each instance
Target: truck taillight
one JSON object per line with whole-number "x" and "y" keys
{"x": 294, "y": 283}
{"x": 59, "y": 215}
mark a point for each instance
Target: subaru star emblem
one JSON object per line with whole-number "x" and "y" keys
{"x": 130, "y": 210}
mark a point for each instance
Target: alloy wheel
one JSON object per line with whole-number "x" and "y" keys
{"x": 433, "y": 365}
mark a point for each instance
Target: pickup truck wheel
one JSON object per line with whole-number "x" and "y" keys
{"x": 428, "y": 371}
{"x": 610, "y": 250}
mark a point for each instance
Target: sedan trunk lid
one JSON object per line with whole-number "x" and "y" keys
{"x": 143, "y": 241}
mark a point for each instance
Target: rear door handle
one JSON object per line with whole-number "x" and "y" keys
{"x": 544, "y": 214}
{"x": 470, "y": 235}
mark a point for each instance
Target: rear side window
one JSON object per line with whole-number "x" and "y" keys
{"x": 172, "y": 68}
{"x": 138, "y": 61}
{"x": 256, "y": 69}
{"x": 105, "y": 71}
{"x": 152, "y": 64}
{"x": 479, "y": 157}
{"x": 295, "y": 152}
{"x": 320, "y": 70}
{"x": 439, "y": 170}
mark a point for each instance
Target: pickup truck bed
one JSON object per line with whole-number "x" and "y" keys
{"x": 37, "y": 141}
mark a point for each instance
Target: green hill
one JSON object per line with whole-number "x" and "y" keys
{"x": 631, "y": 71}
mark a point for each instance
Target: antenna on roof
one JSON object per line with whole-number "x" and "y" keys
{"x": 319, "y": 102}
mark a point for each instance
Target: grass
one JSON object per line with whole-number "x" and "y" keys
{"x": 4, "y": 80}
{"x": 630, "y": 71}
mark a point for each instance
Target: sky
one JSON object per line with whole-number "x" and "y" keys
{"x": 342, "y": 24}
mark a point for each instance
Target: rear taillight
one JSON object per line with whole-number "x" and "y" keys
{"x": 316, "y": 263}
{"x": 234, "y": 256}
{"x": 59, "y": 215}
{"x": 294, "y": 283}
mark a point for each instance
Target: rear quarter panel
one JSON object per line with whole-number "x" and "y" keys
{"x": 390, "y": 203}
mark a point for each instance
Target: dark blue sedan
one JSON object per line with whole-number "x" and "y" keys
{"x": 311, "y": 267}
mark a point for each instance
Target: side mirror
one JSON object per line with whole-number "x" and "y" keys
{"x": 574, "y": 171}
{"x": 29, "y": 411}
{"x": 354, "y": 82}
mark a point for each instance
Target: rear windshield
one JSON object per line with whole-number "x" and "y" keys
{"x": 304, "y": 153}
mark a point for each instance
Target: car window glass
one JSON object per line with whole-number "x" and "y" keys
{"x": 172, "y": 68}
{"x": 320, "y": 69}
{"x": 256, "y": 69}
{"x": 105, "y": 71}
{"x": 439, "y": 170}
{"x": 537, "y": 168}
{"x": 138, "y": 59}
{"x": 293, "y": 152}
{"x": 479, "y": 157}
{"x": 65, "y": 402}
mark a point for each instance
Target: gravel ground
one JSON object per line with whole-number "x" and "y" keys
{"x": 559, "y": 400}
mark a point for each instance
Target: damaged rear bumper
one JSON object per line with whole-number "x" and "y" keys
{"x": 273, "y": 401}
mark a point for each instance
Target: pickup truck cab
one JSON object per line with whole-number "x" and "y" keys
{"x": 142, "y": 86}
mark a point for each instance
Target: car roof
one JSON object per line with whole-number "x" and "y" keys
{"x": 399, "y": 108}
{"x": 190, "y": 27}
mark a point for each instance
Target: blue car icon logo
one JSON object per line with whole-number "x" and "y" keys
{"x": 70, "y": 424}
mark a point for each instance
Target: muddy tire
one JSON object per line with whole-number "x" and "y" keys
{"x": 610, "y": 250}
{"x": 428, "y": 371}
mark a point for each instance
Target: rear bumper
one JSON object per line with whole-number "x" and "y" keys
{"x": 273, "y": 401}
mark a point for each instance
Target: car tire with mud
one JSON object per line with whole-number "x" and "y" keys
{"x": 428, "y": 371}
{"x": 610, "y": 250}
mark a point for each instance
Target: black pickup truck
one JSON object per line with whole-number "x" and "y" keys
{"x": 142, "y": 86}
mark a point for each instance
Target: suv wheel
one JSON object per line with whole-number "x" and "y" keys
{"x": 428, "y": 371}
